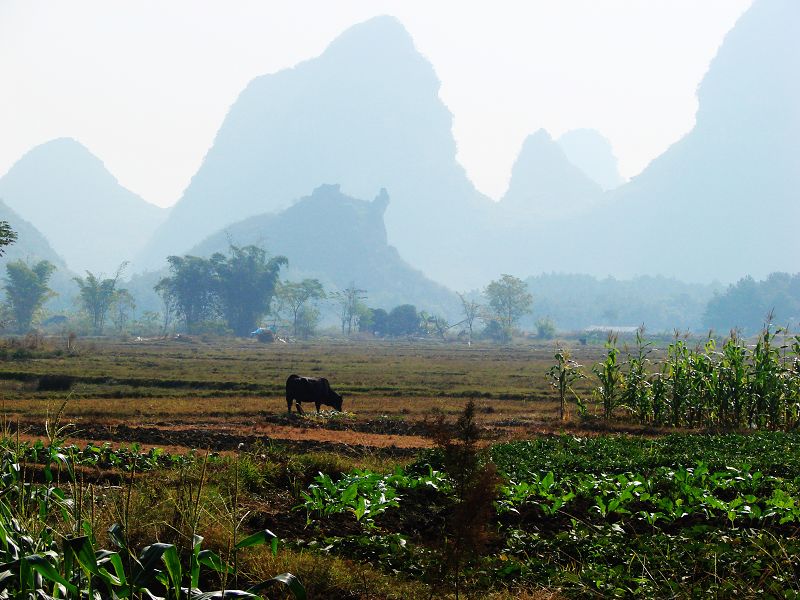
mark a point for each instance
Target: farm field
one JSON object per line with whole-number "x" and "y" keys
{"x": 218, "y": 394}
{"x": 408, "y": 492}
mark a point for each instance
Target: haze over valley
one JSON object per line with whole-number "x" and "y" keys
{"x": 301, "y": 152}
{"x": 400, "y": 300}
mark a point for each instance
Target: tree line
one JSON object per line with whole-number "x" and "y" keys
{"x": 239, "y": 289}
{"x": 236, "y": 292}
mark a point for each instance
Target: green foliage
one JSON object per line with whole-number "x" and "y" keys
{"x": 471, "y": 311}
{"x": 676, "y": 516}
{"x": 637, "y": 394}
{"x": 27, "y": 290}
{"x": 364, "y": 493}
{"x": 39, "y": 561}
{"x": 434, "y": 325}
{"x": 245, "y": 283}
{"x": 545, "y": 328}
{"x": 609, "y": 374}
{"x": 743, "y": 305}
{"x": 189, "y": 290}
{"x": 351, "y": 307}
{"x": 403, "y": 320}
{"x": 563, "y": 375}
{"x": 7, "y": 236}
{"x": 375, "y": 320}
{"x": 576, "y": 301}
{"x": 238, "y": 286}
{"x": 97, "y": 295}
{"x": 509, "y": 300}
{"x": 297, "y": 298}
{"x": 121, "y": 309}
{"x": 739, "y": 386}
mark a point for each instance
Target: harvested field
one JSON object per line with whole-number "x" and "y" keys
{"x": 220, "y": 393}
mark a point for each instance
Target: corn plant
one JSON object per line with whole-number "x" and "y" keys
{"x": 637, "y": 395}
{"x": 562, "y": 376}
{"x": 612, "y": 381}
{"x": 729, "y": 387}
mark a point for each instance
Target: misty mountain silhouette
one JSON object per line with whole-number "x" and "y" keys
{"x": 355, "y": 250}
{"x": 31, "y": 246}
{"x": 724, "y": 201}
{"x": 545, "y": 184}
{"x": 591, "y": 152}
{"x": 86, "y": 215}
{"x": 365, "y": 114}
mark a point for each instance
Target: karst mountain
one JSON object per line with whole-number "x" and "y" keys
{"x": 88, "y": 218}
{"x": 366, "y": 115}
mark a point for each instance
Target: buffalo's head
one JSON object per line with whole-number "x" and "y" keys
{"x": 336, "y": 401}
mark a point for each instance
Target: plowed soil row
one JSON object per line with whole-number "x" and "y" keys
{"x": 235, "y": 437}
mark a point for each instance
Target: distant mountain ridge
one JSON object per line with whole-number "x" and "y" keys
{"x": 31, "y": 246}
{"x": 86, "y": 215}
{"x": 720, "y": 203}
{"x": 356, "y": 251}
{"x": 545, "y": 184}
{"x": 730, "y": 189}
{"x": 591, "y": 152}
{"x": 365, "y": 114}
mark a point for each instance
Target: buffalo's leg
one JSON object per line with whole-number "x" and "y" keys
{"x": 288, "y": 404}
{"x": 299, "y": 409}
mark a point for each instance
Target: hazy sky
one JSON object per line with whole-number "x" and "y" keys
{"x": 146, "y": 84}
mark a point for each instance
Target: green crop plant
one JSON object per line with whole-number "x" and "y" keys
{"x": 677, "y": 377}
{"x": 735, "y": 386}
{"x": 612, "y": 381}
{"x": 562, "y": 376}
{"x": 48, "y": 544}
{"x": 364, "y": 493}
{"x": 637, "y": 395}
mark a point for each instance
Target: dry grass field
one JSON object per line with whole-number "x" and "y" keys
{"x": 221, "y": 392}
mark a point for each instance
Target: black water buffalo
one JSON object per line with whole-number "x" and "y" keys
{"x": 310, "y": 389}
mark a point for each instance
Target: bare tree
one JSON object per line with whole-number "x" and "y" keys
{"x": 349, "y": 301}
{"x": 472, "y": 311}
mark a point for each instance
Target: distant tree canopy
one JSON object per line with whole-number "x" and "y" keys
{"x": 238, "y": 286}
{"x": 574, "y": 302}
{"x": 7, "y": 236}
{"x": 245, "y": 284}
{"x": 509, "y": 300}
{"x": 374, "y": 320}
{"x": 747, "y": 303}
{"x": 97, "y": 295}
{"x": 27, "y": 290}
{"x": 297, "y": 299}
{"x": 189, "y": 290}
{"x": 403, "y": 320}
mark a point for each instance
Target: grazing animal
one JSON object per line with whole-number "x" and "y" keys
{"x": 310, "y": 389}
